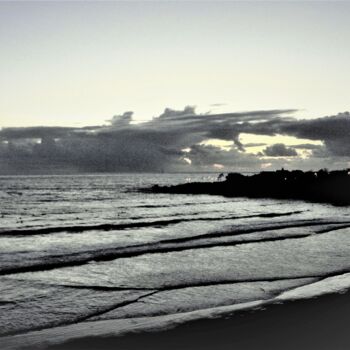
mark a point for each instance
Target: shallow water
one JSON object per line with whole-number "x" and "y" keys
{"x": 89, "y": 248}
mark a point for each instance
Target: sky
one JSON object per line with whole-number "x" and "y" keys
{"x": 91, "y": 68}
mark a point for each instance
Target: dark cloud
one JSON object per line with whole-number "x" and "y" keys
{"x": 122, "y": 120}
{"x": 333, "y": 131}
{"x": 327, "y": 128}
{"x": 159, "y": 144}
{"x": 279, "y": 150}
{"x": 203, "y": 157}
{"x": 308, "y": 146}
{"x": 34, "y": 132}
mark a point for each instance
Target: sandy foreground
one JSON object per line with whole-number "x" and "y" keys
{"x": 321, "y": 323}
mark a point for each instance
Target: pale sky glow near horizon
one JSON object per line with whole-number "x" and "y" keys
{"x": 80, "y": 63}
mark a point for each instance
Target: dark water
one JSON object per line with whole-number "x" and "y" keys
{"x": 78, "y": 249}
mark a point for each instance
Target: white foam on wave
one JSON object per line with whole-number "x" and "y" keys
{"x": 44, "y": 338}
{"x": 336, "y": 284}
{"x": 118, "y": 327}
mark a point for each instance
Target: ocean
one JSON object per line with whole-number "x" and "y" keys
{"x": 94, "y": 254}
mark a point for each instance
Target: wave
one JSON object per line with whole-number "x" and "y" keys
{"x": 175, "y": 205}
{"x": 261, "y": 229}
{"x": 161, "y": 247}
{"x": 94, "y": 313}
{"x": 45, "y": 338}
{"x": 88, "y": 325}
{"x": 83, "y": 317}
{"x": 113, "y": 306}
{"x": 165, "y": 288}
{"x": 138, "y": 224}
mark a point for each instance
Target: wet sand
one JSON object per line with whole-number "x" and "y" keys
{"x": 314, "y": 324}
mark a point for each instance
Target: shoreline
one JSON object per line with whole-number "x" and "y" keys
{"x": 318, "y": 187}
{"x": 318, "y": 323}
{"x": 313, "y": 324}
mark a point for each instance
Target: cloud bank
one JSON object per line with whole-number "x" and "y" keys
{"x": 177, "y": 141}
{"x": 279, "y": 150}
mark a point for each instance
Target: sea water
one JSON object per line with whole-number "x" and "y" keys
{"x": 90, "y": 249}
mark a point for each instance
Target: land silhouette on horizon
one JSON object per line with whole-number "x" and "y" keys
{"x": 321, "y": 186}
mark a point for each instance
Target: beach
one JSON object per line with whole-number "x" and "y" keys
{"x": 313, "y": 324}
